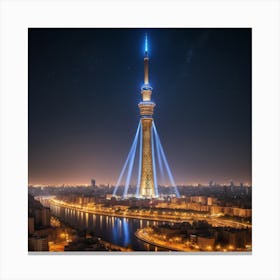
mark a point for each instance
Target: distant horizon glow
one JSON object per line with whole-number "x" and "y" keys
{"x": 194, "y": 184}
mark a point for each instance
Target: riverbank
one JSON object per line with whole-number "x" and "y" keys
{"x": 146, "y": 236}
{"x": 170, "y": 218}
{"x": 121, "y": 215}
{"x": 67, "y": 239}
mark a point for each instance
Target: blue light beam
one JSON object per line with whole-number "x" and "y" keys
{"x": 131, "y": 163}
{"x": 166, "y": 163}
{"x": 159, "y": 159}
{"x": 126, "y": 162}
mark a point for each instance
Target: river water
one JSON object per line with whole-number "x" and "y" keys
{"x": 119, "y": 231}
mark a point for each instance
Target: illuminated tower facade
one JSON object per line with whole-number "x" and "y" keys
{"x": 152, "y": 158}
{"x": 146, "y": 106}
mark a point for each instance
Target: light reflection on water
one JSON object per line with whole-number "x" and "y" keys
{"x": 119, "y": 231}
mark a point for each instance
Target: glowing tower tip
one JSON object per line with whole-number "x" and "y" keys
{"x": 146, "y": 44}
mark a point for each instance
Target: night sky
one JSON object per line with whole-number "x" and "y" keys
{"x": 84, "y": 87}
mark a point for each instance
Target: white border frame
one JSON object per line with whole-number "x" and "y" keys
{"x": 17, "y": 16}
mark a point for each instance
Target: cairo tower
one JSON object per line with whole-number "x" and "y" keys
{"x": 151, "y": 153}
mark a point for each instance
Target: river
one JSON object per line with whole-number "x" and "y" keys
{"x": 119, "y": 231}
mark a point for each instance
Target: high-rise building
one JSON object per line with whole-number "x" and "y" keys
{"x": 38, "y": 244}
{"x": 30, "y": 225}
{"x": 93, "y": 182}
{"x": 38, "y": 217}
{"x": 231, "y": 186}
{"x": 42, "y": 217}
{"x": 146, "y": 106}
{"x": 46, "y": 217}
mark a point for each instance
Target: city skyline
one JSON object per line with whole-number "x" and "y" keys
{"x": 79, "y": 78}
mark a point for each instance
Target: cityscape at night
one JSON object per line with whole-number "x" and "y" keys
{"x": 139, "y": 140}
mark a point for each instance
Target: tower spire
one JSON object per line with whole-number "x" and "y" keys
{"x": 146, "y": 63}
